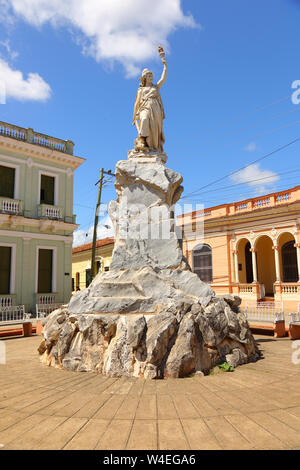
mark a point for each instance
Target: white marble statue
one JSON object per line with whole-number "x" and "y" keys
{"x": 148, "y": 111}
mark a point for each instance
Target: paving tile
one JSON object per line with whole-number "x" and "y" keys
{"x": 199, "y": 435}
{"x": 59, "y": 438}
{"x": 227, "y": 436}
{"x": 90, "y": 409}
{"x": 88, "y": 436}
{"x": 149, "y": 387}
{"x": 166, "y": 408}
{"x": 143, "y": 435}
{"x": 30, "y": 440}
{"x": 41, "y": 406}
{"x": 128, "y": 408}
{"x": 257, "y": 406}
{"x": 295, "y": 411}
{"x": 204, "y": 408}
{"x": 77, "y": 401}
{"x": 19, "y": 428}
{"x": 221, "y": 406}
{"x": 287, "y": 418}
{"x": 280, "y": 430}
{"x": 116, "y": 435}
{"x": 9, "y": 417}
{"x": 185, "y": 407}
{"x": 254, "y": 433}
{"x": 171, "y": 435}
{"x": 147, "y": 407}
{"x": 110, "y": 407}
{"x": 137, "y": 388}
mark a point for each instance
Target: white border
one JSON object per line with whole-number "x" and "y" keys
{"x": 36, "y": 164}
{"x": 17, "y": 176}
{"x": 12, "y": 266}
{"x": 54, "y": 267}
{"x": 55, "y": 176}
{"x": 43, "y": 153}
{"x": 40, "y": 236}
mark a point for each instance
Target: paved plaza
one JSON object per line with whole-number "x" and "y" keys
{"x": 255, "y": 407}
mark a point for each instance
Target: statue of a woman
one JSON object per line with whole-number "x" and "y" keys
{"x": 148, "y": 111}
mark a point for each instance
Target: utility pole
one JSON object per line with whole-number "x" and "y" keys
{"x": 100, "y": 182}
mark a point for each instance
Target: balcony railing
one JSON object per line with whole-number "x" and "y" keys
{"x": 7, "y": 300}
{"x": 46, "y": 211}
{"x": 46, "y": 299}
{"x": 11, "y": 206}
{"x": 290, "y": 289}
{"x": 36, "y": 138}
{"x": 247, "y": 288}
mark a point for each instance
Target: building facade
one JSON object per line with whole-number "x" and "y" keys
{"x": 36, "y": 217}
{"x": 250, "y": 248}
{"x": 81, "y": 262}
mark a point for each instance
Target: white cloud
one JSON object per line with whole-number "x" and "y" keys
{"x": 251, "y": 147}
{"x": 16, "y": 86}
{"x": 255, "y": 177}
{"x": 127, "y": 31}
{"x": 5, "y": 15}
{"x": 6, "y": 44}
{"x": 104, "y": 230}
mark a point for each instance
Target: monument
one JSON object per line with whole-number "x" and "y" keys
{"x": 149, "y": 316}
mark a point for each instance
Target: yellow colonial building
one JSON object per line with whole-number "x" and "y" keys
{"x": 81, "y": 262}
{"x": 250, "y": 248}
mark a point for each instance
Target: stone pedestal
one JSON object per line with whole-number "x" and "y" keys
{"x": 149, "y": 316}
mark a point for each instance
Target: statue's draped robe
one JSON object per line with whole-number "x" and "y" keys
{"x": 150, "y": 112}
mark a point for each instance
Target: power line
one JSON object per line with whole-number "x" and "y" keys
{"x": 261, "y": 134}
{"x": 253, "y": 125}
{"x": 240, "y": 196}
{"x": 246, "y": 192}
{"x": 245, "y": 166}
{"x": 249, "y": 181}
{"x": 241, "y": 116}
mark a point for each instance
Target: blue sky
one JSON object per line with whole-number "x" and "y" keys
{"x": 227, "y": 97}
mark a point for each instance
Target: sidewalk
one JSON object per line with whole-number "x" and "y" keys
{"x": 255, "y": 407}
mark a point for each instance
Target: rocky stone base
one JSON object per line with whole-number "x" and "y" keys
{"x": 175, "y": 342}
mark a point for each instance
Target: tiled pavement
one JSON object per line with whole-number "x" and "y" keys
{"x": 255, "y": 407}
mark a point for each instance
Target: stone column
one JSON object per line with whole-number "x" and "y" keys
{"x": 297, "y": 246}
{"x": 236, "y": 266}
{"x": 277, "y": 263}
{"x": 254, "y": 264}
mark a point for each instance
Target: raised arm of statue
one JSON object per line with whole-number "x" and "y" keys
{"x": 163, "y": 77}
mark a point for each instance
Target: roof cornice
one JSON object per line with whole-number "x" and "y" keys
{"x": 42, "y": 153}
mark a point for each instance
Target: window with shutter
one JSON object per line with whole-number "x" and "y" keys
{"x": 7, "y": 182}
{"x": 202, "y": 262}
{"x": 45, "y": 266}
{"x": 5, "y": 267}
{"x": 47, "y": 190}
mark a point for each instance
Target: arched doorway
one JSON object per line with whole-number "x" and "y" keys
{"x": 245, "y": 261}
{"x": 289, "y": 262}
{"x": 248, "y": 260}
{"x": 202, "y": 262}
{"x": 287, "y": 257}
{"x": 266, "y": 273}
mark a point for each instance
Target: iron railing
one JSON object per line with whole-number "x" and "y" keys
{"x": 269, "y": 312}
{"x": 43, "y": 310}
{"x": 13, "y": 314}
